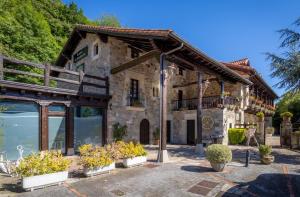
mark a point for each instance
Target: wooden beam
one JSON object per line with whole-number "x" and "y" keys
{"x": 135, "y": 61}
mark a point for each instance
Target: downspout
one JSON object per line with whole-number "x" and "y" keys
{"x": 162, "y": 122}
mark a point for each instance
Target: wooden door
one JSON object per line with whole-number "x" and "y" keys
{"x": 180, "y": 97}
{"x": 168, "y": 131}
{"x": 190, "y": 132}
{"x": 144, "y": 132}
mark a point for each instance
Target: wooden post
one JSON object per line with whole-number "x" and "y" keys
{"x": 1, "y": 68}
{"x": 44, "y": 126}
{"x": 199, "y": 145}
{"x": 104, "y": 132}
{"x": 47, "y": 74}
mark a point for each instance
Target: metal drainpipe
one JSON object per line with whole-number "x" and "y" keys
{"x": 162, "y": 145}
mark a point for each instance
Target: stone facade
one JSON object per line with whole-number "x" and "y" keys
{"x": 114, "y": 53}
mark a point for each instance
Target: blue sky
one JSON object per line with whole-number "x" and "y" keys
{"x": 225, "y": 30}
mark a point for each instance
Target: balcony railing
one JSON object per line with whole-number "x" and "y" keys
{"x": 134, "y": 102}
{"x": 47, "y": 78}
{"x": 207, "y": 102}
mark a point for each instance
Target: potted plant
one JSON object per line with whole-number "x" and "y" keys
{"x": 265, "y": 154}
{"x": 95, "y": 160}
{"x": 156, "y": 134}
{"x": 269, "y": 131}
{"x": 45, "y": 168}
{"x": 286, "y": 116}
{"x": 119, "y": 131}
{"x": 133, "y": 154}
{"x": 260, "y": 115}
{"x": 218, "y": 155}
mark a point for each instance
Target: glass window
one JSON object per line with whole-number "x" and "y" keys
{"x": 19, "y": 125}
{"x": 56, "y": 108}
{"x": 96, "y": 49}
{"x": 57, "y": 129}
{"x": 88, "y": 126}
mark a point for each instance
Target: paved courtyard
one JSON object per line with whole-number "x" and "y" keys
{"x": 185, "y": 175}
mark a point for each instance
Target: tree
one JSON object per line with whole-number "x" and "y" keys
{"x": 108, "y": 20}
{"x": 287, "y": 65}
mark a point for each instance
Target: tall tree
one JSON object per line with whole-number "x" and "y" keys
{"x": 286, "y": 66}
{"x": 108, "y": 20}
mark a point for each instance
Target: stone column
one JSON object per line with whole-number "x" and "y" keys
{"x": 261, "y": 130}
{"x": 285, "y": 132}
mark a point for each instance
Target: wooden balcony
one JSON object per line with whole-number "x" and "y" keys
{"x": 207, "y": 102}
{"x": 15, "y": 75}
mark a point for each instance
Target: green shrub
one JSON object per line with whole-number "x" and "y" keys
{"x": 119, "y": 131}
{"x": 236, "y": 135}
{"x": 43, "y": 163}
{"x": 270, "y": 130}
{"x": 286, "y": 114}
{"x": 218, "y": 153}
{"x": 156, "y": 134}
{"x": 260, "y": 114}
{"x": 265, "y": 150}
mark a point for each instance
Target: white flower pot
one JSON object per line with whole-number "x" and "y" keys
{"x": 99, "y": 170}
{"x": 33, "y": 182}
{"x": 134, "y": 161}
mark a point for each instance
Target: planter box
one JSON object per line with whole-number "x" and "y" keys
{"x": 99, "y": 170}
{"x": 34, "y": 182}
{"x": 134, "y": 161}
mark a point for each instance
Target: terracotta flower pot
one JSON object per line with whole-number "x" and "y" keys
{"x": 267, "y": 159}
{"x": 219, "y": 167}
{"x": 155, "y": 142}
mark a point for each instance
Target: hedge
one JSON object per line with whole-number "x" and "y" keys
{"x": 236, "y": 135}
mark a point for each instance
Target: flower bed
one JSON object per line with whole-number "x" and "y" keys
{"x": 95, "y": 160}
{"x": 133, "y": 154}
{"x": 43, "y": 169}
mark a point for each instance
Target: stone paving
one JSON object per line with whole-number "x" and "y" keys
{"x": 185, "y": 175}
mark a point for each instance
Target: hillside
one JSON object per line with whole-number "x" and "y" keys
{"x": 36, "y": 30}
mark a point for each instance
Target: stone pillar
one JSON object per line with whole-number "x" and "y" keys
{"x": 199, "y": 145}
{"x": 285, "y": 132}
{"x": 261, "y": 130}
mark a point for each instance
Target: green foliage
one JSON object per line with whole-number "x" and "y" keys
{"x": 287, "y": 66}
{"x": 265, "y": 150}
{"x": 218, "y": 153}
{"x": 119, "y": 131}
{"x": 156, "y": 134}
{"x": 130, "y": 150}
{"x": 43, "y": 163}
{"x": 289, "y": 102}
{"x": 260, "y": 114}
{"x": 270, "y": 130}
{"x": 108, "y": 20}
{"x": 286, "y": 114}
{"x": 94, "y": 156}
{"x": 236, "y": 135}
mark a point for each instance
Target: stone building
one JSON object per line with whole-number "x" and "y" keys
{"x": 134, "y": 86}
{"x": 107, "y": 75}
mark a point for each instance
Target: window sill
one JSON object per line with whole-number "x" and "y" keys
{"x": 132, "y": 108}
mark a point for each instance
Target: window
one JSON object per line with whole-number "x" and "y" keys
{"x": 80, "y": 67}
{"x": 134, "y": 89}
{"x": 88, "y": 126}
{"x": 56, "y": 128}
{"x": 180, "y": 71}
{"x": 96, "y": 49}
{"x": 19, "y": 125}
{"x": 134, "y": 53}
{"x": 155, "y": 91}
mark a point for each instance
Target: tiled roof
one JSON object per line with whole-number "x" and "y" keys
{"x": 148, "y": 32}
{"x": 244, "y": 61}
